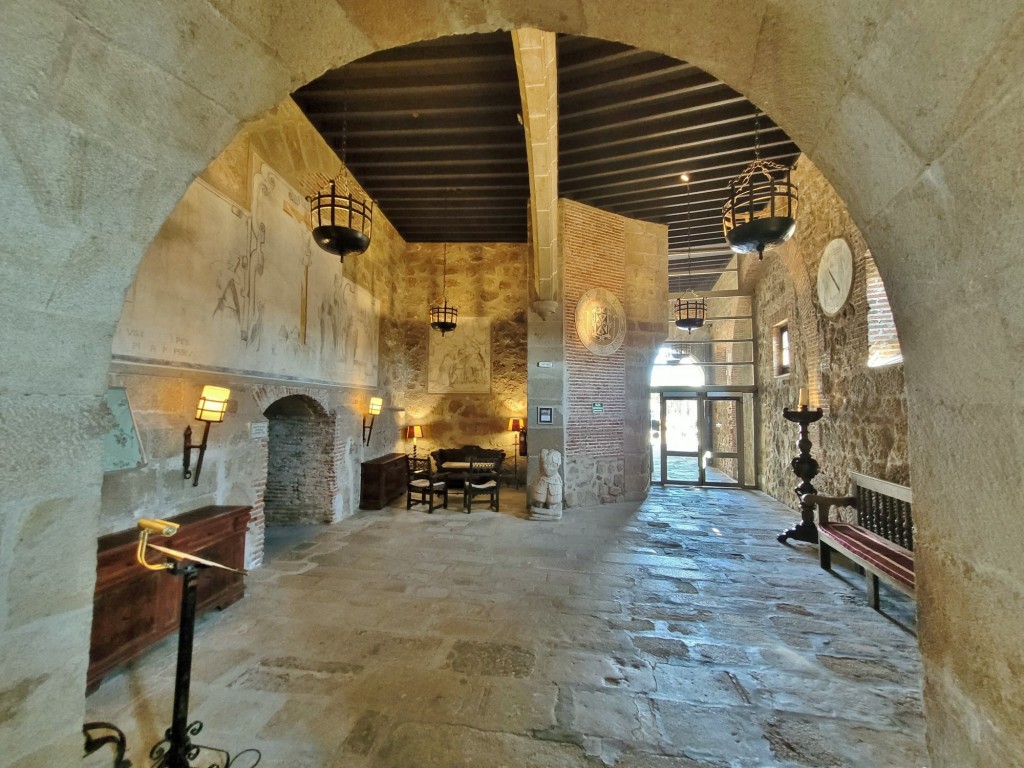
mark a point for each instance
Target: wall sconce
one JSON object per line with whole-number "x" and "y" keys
{"x": 213, "y": 404}
{"x": 375, "y": 405}
{"x": 412, "y": 432}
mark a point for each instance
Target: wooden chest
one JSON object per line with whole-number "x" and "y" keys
{"x": 383, "y": 479}
{"x": 134, "y": 607}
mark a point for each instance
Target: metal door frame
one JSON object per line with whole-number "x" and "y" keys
{"x": 704, "y": 430}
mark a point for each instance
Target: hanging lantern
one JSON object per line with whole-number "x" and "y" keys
{"x": 443, "y": 316}
{"x": 341, "y": 224}
{"x": 691, "y": 311}
{"x": 760, "y": 213}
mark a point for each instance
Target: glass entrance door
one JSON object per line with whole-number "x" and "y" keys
{"x": 722, "y": 449}
{"x": 680, "y": 440}
{"x": 697, "y": 439}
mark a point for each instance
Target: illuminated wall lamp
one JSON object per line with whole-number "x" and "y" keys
{"x": 213, "y": 404}
{"x": 375, "y": 405}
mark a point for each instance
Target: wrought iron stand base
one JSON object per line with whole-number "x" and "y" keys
{"x": 802, "y": 531}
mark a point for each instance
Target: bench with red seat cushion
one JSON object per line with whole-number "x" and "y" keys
{"x": 881, "y": 541}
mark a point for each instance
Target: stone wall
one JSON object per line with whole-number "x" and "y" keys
{"x": 865, "y": 423}
{"x": 628, "y": 259}
{"x": 485, "y": 280}
{"x": 163, "y": 396}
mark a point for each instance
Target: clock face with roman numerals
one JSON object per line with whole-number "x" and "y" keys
{"x": 835, "y": 276}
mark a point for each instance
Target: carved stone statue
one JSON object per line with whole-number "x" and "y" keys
{"x": 546, "y": 493}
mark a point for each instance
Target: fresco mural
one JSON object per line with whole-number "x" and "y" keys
{"x": 460, "y": 361}
{"x": 248, "y": 292}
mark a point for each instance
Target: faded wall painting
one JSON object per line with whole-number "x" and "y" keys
{"x": 226, "y": 289}
{"x": 460, "y": 361}
{"x": 122, "y": 448}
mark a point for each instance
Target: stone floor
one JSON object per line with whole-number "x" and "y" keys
{"x": 679, "y": 634}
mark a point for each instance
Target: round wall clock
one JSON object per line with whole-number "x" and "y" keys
{"x": 835, "y": 276}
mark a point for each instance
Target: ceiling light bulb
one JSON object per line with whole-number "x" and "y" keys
{"x": 684, "y": 177}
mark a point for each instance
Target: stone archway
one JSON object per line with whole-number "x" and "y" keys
{"x": 911, "y": 113}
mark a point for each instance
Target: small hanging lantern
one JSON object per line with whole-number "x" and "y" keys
{"x": 691, "y": 311}
{"x": 760, "y": 213}
{"x": 443, "y": 316}
{"x": 341, "y": 224}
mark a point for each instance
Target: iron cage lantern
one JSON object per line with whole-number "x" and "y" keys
{"x": 341, "y": 224}
{"x": 760, "y": 213}
{"x": 443, "y": 316}
{"x": 691, "y": 311}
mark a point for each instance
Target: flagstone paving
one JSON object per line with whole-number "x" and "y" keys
{"x": 677, "y": 634}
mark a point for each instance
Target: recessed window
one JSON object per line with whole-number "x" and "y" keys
{"x": 782, "y": 349}
{"x": 883, "y": 343}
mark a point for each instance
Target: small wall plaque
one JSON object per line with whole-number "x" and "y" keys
{"x": 545, "y": 415}
{"x": 259, "y": 430}
{"x": 597, "y": 407}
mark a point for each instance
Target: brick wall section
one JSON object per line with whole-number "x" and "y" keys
{"x": 883, "y": 343}
{"x": 593, "y": 244}
{"x": 301, "y": 480}
{"x": 607, "y": 454}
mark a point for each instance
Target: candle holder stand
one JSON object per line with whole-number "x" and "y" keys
{"x": 805, "y": 468}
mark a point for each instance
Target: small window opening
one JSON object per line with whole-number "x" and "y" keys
{"x": 782, "y": 349}
{"x": 883, "y": 343}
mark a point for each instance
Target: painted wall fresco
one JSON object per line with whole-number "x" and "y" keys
{"x": 226, "y": 289}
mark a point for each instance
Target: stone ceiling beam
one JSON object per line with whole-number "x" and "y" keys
{"x": 538, "y": 89}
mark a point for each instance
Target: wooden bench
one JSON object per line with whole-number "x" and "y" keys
{"x": 882, "y": 540}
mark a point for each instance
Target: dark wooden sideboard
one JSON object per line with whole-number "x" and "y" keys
{"x": 134, "y": 607}
{"x": 382, "y": 479}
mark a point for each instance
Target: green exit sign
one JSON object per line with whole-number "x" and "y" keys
{"x": 597, "y": 407}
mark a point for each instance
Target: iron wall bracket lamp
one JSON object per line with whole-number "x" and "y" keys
{"x": 375, "y": 405}
{"x": 213, "y": 404}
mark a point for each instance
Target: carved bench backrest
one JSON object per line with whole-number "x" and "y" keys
{"x": 884, "y": 508}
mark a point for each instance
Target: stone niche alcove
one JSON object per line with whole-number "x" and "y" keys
{"x": 301, "y": 482}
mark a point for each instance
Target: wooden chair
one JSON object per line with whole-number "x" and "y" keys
{"x": 483, "y": 478}
{"x": 424, "y": 483}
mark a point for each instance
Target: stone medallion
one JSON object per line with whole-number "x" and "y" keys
{"x": 600, "y": 321}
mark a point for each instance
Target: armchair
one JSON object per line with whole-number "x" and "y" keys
{"x": 424, "y": 484}
{"x": 483, "y": 478}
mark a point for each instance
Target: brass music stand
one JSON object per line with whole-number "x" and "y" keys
{"x": 176, "y": 749}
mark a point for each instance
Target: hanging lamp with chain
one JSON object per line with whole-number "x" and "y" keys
{"x": 341, "y": 224}
{"x": 690, "y": 309}
{"x": 760, "y": 213}
{"x": 443, "y": 316}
